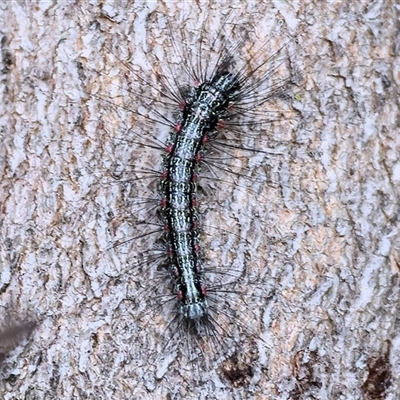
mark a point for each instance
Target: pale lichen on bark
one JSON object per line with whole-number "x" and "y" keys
{"x": 330, "y": 223}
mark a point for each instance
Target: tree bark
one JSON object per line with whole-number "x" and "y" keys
{"x": 328, "y": 219}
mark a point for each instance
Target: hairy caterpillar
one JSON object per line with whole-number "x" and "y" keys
{"x": 236, "y": 155}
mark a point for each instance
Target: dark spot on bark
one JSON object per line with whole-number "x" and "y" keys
{"x": 304, "y": 373}
{"x": 386, "y": 82}
{"x": 12, "y": 334}
{"x": 12, "y": 379}
{"x": 95, "y": 339}
{"x": 236, "y": 372}
{"x": 55, "y": 376}
{"x": 7, "y": 60}
{"x": 379, "y": 378}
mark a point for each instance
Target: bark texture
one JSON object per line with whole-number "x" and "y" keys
{"x": 330, "y": 220}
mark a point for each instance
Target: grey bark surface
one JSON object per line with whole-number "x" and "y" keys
{"x": 328, "y": 223}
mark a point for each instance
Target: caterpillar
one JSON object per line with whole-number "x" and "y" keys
{"x": 211, "y": 305}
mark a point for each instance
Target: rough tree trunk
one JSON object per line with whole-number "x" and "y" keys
{"x": 331, "y": 223}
